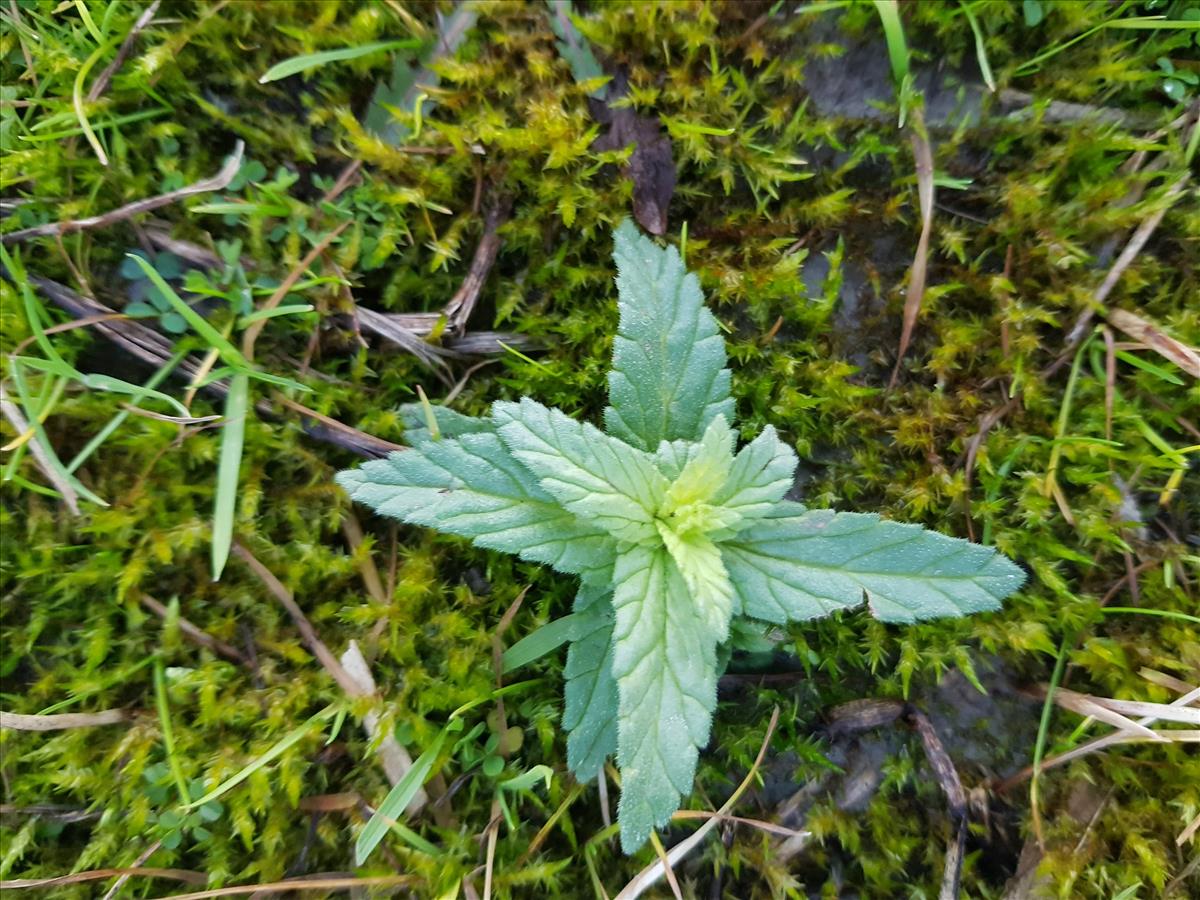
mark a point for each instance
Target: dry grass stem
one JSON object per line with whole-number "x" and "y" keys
{"x": 185, "y": 875}
{"x": 218, "y": 182}
{"x": 100, "y": 85}
{"x": 923, "y": 155}
{"x": 194, "y": 634}
{"x": 649, "y": 875}
{"x": 61, "y": 721}
{"x": 16, "y": 419}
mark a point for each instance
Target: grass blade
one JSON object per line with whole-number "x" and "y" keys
{"x": 289, "y": 740}
{"x": 55, "y": 470}
{"x": 1039, "y": 748}
{"x": 893, "y": 33}
{"x": 88, "y": 22}
{"x": 304, "y": 62}
{"x": 1155, "y": 23}
{"x": 77, "y": 99}
{"x": 1146, "y": 611}
{"x": 168, "y": 733}
{"x": 1064, "y": 414}
{"x": 397, "y": 800}
{"x": 985, "y": 68}
{"x": 549, "y": 637}
{"x": 117, "y": 420}
{"x": 199, "y": 324}
{"x": 414, "y": 840}
{"x": 232, "y": 438}
{"x": 290, "y": 309}
{"x": 1157, "y": 371}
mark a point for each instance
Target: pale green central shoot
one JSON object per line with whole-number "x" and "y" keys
{"x": 688, "y": 520}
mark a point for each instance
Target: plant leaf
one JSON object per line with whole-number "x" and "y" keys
{"x": 668, "y": 380}
{"x": 589, "y": 692}
{"x": 573, "y": 46}
{"x": 544, "y": 640}
{"x": 407, "y": 82}
{"x": 296, "y": 64}
{"x": 600, "y": 479}
{"x": 761, "y": 474}
{"x": 391, "y": 810}
{"x": 233, "y": 436}
{"x": 699, "y": 562}
{"x": 796, "y": 565}
{"x": 706, "y": 469}
{"x": 672, "y": 456}
{"x": 450, "y": 423}
{"x": 664, "y": 662}
{"x": 472, "y": 487}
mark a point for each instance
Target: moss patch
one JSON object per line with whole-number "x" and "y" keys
{"x": 801, "y": 221}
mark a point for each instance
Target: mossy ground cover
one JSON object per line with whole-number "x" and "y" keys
{"x": 802, "y": 215}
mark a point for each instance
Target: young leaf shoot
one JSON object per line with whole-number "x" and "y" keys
{"x": 677, "y": 537}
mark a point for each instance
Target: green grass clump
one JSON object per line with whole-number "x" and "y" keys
{"x": 801, "y": 225}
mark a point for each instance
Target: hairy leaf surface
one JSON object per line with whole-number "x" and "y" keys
{"x": 449, "y": 422}
{"x": 672, "y": 456}
{"x": 600, "y": 479}
{"x": 699, "y": 562}
{"x": 664, "y": 662}
{"x": 686, "y": 549}
{"x": 796, "y": 565}
{"x": 706, "y": 469}
{"x": 761, "y": 474}
{"x": 590, "y": 692}
{"x": 472, "y": 487}
{"x": 668, "y": 379}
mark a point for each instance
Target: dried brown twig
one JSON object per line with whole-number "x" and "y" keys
{"x": 409, "y": 330}
{"x": 923, "y": 155}
{"x": 1133, "y": 325}
{"x": 460, "y": 306}
{"x": 351, "y": 673}
{"x": 137, "y": 864}
{"x": 951, "y": 785}
{"x": 1101, "y": 743}
{"x": 386, "y": 327}
{"x": 1062, "y": 111}
{"x": 194, "y": 633}
{"x": 62, "y": 721}
{"x": 328, "y": 661}
{"x": 1132, "y": 248}
{"x": 340, "y": 883}
{"x": 185, "y": 875}
{"x": 335, "y": 432}
{"x": 152, "y": 348}
{"x": 16, "y": 418}
{"x": 857, "y": 716}
{"x": 649, "y": 875}
{"x": 218, "y": 182}
{"x": 52, "y": 812}
{"x": 1149, "y": 334}
{"x": 101, "y": 83}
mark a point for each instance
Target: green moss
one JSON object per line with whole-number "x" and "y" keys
{"x": 74, "y": 630}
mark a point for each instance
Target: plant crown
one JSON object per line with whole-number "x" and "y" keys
{"x": 676, "y": 536}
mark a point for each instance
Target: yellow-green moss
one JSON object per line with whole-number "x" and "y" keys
{"x": 788, "y": 187}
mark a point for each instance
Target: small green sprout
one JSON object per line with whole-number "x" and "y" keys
{"x": 683, "y": 544}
